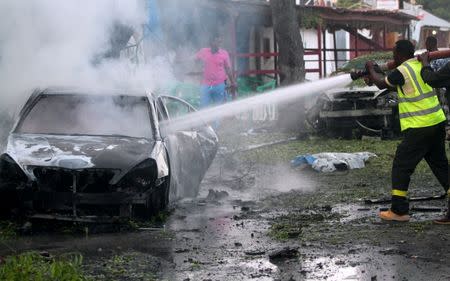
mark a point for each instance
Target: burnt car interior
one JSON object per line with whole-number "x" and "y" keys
{"x": 88, "y": 115}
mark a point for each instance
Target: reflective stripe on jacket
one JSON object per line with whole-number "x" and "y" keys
{"x": 418, "y": 104}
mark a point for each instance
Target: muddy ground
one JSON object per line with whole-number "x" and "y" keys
{"x": 263, "y": 220}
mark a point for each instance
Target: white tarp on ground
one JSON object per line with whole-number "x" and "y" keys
{"x": 329, "y": 162}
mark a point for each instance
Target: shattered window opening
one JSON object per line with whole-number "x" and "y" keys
{"x": 72, "y": 114}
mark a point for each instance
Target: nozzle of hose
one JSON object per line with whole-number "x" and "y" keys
{"x": 355, "y": 75}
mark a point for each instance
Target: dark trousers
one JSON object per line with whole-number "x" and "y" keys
{"x": 418, "y": 143}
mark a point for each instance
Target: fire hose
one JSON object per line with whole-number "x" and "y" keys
{"x": 391, "y": 64}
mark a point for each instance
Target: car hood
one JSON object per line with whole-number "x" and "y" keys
{"x": 78, "y": 152}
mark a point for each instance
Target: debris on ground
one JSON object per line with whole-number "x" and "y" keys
{"x": 425, "y": 209}
{"x": 411, "y": 199}
{"x": 283, "y": 254}
{"x": 255, "y": 252}
{"x": 214, "y": 195}
{"x": 330, "y": 162}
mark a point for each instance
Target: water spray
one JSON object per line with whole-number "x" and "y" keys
{"x": 279, "y": 96}
{"x": 355, "y": 75}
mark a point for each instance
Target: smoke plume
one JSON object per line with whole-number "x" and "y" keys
{"x": 46, "y": 43}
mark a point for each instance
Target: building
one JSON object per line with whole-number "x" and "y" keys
{"x": 426, "y": 25}
{"x": 331, "y": 35}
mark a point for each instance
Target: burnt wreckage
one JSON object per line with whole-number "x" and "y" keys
{"x": 77, "y": 156}
{"x": 349, "y": 113}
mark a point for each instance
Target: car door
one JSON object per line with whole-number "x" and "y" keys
{"x": 191, "y": 151}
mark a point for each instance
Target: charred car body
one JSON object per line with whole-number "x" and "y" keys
{"x": 73, "y": 155}
{"x": 349, "y": 113}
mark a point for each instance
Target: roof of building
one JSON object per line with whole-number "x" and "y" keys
{"x": 363, "y": 18}
{"x": 426, "y": 18}
{"x": 331, "y": 17}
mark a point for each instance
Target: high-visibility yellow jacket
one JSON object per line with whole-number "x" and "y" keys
{"x": 418, "y": 104}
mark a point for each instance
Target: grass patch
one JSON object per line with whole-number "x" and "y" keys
{"x": 372, "y": 181}
{"x": 125, "y": 266}
{"x": 286, "y": 152}
{"x": 350, "y": 187}
{"x": 8, "y": 230}
{"x": 32, "y": 266}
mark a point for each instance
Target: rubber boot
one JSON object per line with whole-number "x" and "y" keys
{"x": 446, "y": 218}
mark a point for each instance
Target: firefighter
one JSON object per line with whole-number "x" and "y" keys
{"x": 422, "y": 122}
{"x": 439, "y": 79}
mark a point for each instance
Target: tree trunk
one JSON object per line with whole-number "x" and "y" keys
{"x": 291, "y": 62}
{"x": 287, "y": 29}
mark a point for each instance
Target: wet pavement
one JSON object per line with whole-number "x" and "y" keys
{"x": 225, "y": 234}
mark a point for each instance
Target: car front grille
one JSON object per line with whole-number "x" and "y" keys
{"x": 64, "y": 180}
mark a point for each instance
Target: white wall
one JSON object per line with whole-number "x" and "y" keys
{"x": 310, "y": 41}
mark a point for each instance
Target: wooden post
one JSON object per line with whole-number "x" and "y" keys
{"x": 275, "y": 58}
{"x": 324, "y": 52}
{"x": 258, "y": 50}
{"x": 335, "y": 51}
{"x": 319, "y": 49}
{"x": 233, "y": 21}
{"x": 356, "y": 43}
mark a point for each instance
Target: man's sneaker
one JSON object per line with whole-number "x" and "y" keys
{"x": 391, "y": 216}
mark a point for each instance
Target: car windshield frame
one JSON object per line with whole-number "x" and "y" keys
{"x": 30, "y": 105}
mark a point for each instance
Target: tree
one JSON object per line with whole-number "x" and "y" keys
{"x": 287, "y": 30}
{"x": 436, "y": 7}
{"x": 291, "y": 63}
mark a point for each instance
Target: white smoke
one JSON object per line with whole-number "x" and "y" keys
{"x": 45, "y": 43}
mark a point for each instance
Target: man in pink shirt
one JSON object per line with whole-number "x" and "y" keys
{"x": 216, "y": 69}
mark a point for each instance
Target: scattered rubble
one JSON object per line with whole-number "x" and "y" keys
{"x": 214, "y": 195}
{"x": 284, "y": 253}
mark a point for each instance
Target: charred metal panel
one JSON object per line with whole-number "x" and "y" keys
{"x": 159, "y": 154}
{"x": 352, "y": 112}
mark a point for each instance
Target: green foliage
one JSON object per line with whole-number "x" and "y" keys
{"x": 436, "y": 7}
{"x": 7, "y": 230}
{"x": 309, "y": 19}
{"x": 347, "y": 3}
{"x": 33, "y": 267}
{"x": 125, "y": 266}
{"x": 160, "y": 218}
{"x": 359, "y": 63}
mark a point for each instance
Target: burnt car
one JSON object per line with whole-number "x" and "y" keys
{"x": 351, "y": 113}
{"x": 75, "y": 154}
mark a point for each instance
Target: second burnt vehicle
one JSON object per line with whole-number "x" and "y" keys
{"x": 353, "y": 112}
{"x": 91, "y": 155}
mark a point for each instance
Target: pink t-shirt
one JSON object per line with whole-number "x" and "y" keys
{"x": 214, "y": 66}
